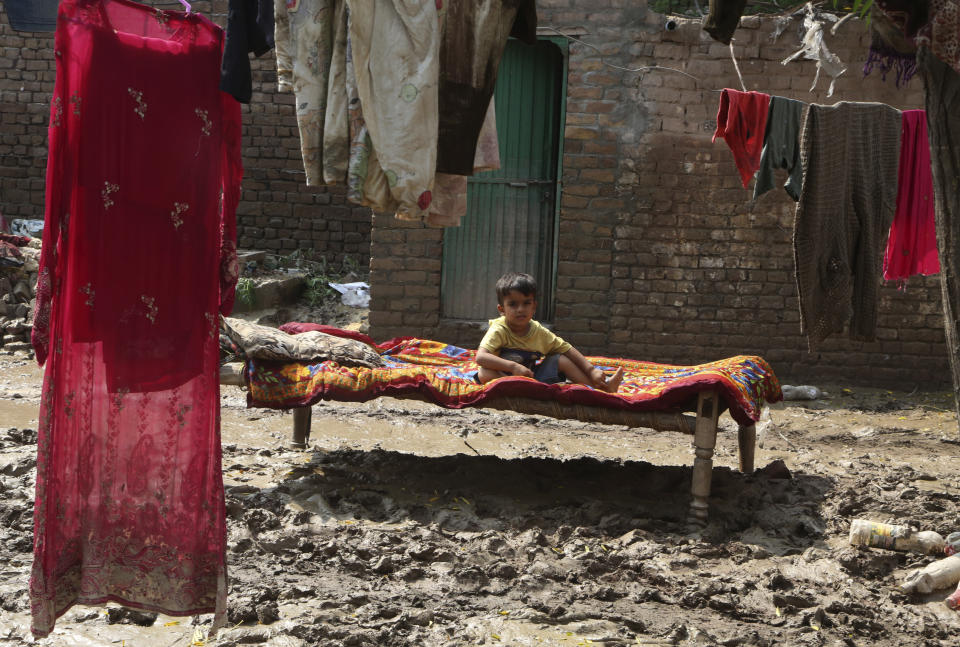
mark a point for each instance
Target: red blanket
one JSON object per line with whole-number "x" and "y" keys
{"x": 445, "y": 374}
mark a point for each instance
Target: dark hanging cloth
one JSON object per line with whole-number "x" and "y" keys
{"x": 781, "y": 147}
{"x": 32, "y": 15}
{"x": 909, "y": 15}
{"x": 265, "y": 20}
{"x": 850, "y": 153}
{"x": 474, "y": 37}
{"x": 934, "y": 24}
{"x": 249, "y": 29}
{"x": 723, "y": 18}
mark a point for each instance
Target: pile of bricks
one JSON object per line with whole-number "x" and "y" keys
{"x": 18, "y": 297}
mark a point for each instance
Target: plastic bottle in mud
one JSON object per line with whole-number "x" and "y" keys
{"x": 891, "y": 537}
{"x": 953, "y": 601}
{"x": 934, "y": 576}
{"x": 953, "y": 544}
{"x": 803, "y": 392}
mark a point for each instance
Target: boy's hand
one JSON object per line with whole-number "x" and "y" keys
{"x": 520, "y": 370}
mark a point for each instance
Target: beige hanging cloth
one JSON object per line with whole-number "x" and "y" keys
{"x": 395, "y": 54}
{"x": 311, "y": 43}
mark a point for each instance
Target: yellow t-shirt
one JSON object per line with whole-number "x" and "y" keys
{"x": 537, "y": 339}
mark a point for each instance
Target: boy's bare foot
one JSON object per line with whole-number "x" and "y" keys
{"x": 612, "y": 383}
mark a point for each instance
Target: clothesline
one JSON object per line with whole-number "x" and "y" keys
{"x": 877, "y": 215}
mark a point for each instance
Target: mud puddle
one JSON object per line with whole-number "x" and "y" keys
{"x": 408, "y": 525}
{"x": 17, "y": 413}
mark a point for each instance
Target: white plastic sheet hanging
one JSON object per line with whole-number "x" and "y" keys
{"x": 355, "y": 295}
{"x": 815, "y": 49}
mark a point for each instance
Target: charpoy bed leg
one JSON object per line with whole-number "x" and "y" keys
{"x": 301, "y": 427}
{"x": 747, "y": 442}
{"x": 704, "y": 440}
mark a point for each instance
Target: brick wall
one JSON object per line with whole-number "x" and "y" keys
{"x": 663, "y": 255}
{"x": 278, "y": 212}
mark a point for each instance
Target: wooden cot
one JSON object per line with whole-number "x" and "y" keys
{"x": 653, "y": 396}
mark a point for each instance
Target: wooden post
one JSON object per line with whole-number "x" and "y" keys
{"x": 941, "y": 86}
{"x": 747, "y": 442}
{"x": 704, "y": 440}
{"x": 231, "y": 373}
{"x": 301, "y": 427}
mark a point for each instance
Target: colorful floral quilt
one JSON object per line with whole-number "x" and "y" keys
{"x": 445, "y": 374}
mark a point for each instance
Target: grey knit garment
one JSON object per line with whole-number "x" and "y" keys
{"x": 850, "y": 153}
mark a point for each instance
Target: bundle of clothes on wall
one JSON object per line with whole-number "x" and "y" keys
{"x": 861, "y": 176}
{"x": 392, "y": 101}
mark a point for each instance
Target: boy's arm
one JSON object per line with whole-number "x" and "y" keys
{"x": 595, "y": 374}
{"x": 486, "y": 359}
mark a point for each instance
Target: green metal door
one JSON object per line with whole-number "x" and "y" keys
{"x": 511, "y": 222}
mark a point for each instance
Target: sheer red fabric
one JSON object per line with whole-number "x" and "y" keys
{"x": 138, "y": 260}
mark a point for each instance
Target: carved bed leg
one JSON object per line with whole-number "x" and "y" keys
{"x": 747, "y": 441}
{"x": 301, "y": 427}
{"x": 704, "y": 440}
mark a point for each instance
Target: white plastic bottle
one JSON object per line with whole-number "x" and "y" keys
{"x": 934, "y": 576}
{"x": 953, "y": 544}
{"x": 883, "y": 535}
{"x": 802, "y": 392}
{"x": 953, "y": 601}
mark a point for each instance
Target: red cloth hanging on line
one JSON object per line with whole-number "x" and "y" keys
{"x": 742, "y": 122}
{"x": 912, "y": 243}
{"x": 138, "y": 261}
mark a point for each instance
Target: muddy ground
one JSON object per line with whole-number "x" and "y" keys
{"x": 410, "y": 525}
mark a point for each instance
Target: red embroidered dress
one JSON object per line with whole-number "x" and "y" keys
{"x": 138, "y": 260}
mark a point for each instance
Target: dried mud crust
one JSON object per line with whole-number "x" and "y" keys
{"x": 406, "y": 524}
{"x": 331, "y": 312}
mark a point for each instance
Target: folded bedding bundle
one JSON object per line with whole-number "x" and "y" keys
{"x": 265, "y": 343}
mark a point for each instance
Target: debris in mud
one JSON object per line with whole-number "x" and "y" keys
{"x": 383, "y": 535}
{"x": 126, "y": 615}
{"x": 937, "y": 575}
{"x": 896, "y": 537}
{"x": 18, "y": 281}
{"x": 803, "y": 392}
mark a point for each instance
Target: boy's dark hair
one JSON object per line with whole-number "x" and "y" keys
{"x": 516, "y": 282}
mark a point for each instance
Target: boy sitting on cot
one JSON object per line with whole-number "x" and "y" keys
{"x": 515, "y": 344}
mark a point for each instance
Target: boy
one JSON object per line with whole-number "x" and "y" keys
{"x": 515, "y": 342}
